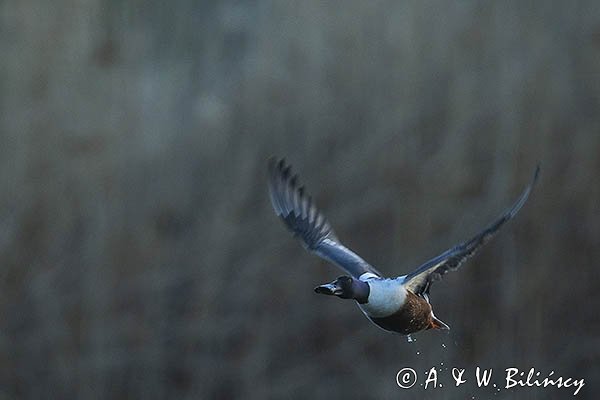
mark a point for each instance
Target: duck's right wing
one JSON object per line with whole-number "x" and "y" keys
{"x": 300, "y": 215}
{"x": 420, "y": 280}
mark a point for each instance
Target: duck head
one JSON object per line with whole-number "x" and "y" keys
{"x": 346, "y": 287}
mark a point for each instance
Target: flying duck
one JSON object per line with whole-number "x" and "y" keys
{"x": 400, "y": 304}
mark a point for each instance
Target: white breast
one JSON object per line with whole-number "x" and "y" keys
{"x": 386, "y": 296}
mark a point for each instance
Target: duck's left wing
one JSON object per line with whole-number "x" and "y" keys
{"x": 300, "y": 215}
{"x": 420, "y": 279}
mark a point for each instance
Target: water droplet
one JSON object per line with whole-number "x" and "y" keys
{"x": 410, "y": 339}
{"x": 443, "y": 345}
{"x": 441, "y": 363}
{"x": 418, "y": 352}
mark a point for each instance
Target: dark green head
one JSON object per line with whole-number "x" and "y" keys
{"x": 346, "y": 287}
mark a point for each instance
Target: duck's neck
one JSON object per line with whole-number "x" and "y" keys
{"x": 360, "y": 291}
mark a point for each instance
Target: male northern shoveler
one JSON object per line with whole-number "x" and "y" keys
{"x": 395, "y": 304}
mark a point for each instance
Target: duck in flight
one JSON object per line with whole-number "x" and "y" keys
{"x": 398, "y": 304}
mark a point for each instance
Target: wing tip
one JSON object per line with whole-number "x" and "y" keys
{"x": 292, "y": 202}
{"x": 536, "y": 174}
{"x": 277, "y": 165}
{"x": 525, "y": 195}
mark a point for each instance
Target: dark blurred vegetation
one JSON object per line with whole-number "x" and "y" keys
{"x": 138, "y": 251}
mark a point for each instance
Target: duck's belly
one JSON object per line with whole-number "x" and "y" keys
{"x": 414, "y": 316}
{"x": 402, "y": 324}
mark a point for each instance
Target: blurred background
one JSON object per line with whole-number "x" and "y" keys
{"x": 139, "y": 255}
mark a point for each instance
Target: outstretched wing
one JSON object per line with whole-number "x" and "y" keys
{"x": 300, "y": 215}
{"x": 420, "y": 279}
